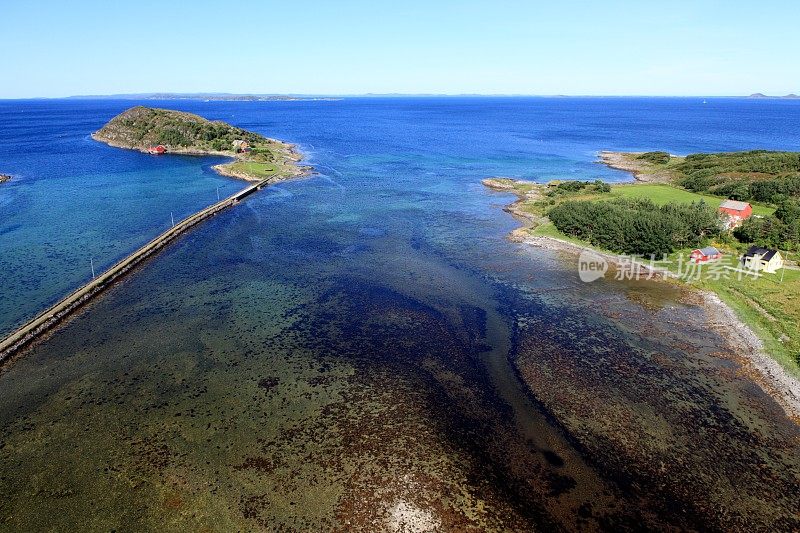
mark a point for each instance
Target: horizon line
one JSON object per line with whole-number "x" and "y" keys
{"x": 196, "y": 95}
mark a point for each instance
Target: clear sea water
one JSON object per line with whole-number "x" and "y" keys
{"x": 365, "y": 345}
{"x": 74, "y": 200}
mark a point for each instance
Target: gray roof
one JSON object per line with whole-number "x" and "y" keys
{"x": 765, "y": 253}
{"x": 709, "y": 250}
{"x": 734, "y": 204}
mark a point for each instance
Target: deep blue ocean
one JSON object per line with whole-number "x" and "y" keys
{"x": 366, "y": 345}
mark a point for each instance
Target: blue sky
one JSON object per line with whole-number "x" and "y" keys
{"x": 702, "y": 47}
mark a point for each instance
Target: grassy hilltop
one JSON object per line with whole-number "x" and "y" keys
{"x": 185, "y": 133}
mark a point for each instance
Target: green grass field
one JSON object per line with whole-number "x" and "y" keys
{"x": 549, "y": 230}
{"x": 259, "y": 170}
{"x": 663, "y": 194}
{"x": 771, "y": 306}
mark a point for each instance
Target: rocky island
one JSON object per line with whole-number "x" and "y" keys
{"x": 159, "y": 131}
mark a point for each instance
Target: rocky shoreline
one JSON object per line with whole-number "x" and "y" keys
{"x": 768, "y": 373}
{"x": 642, "y": 171}
{"x": 527, "y": 219}
{"x": 292, "y": 158}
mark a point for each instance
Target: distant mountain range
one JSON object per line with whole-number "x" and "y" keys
{"x": 201, "y": 96}
{"x": 761, "y": 95}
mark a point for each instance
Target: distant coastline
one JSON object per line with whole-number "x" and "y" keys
{"x": 246, "y": 97}
{"x": 790, "y": 96}
{"x": 211, "y": 97}
{"x": 225, "y": 97}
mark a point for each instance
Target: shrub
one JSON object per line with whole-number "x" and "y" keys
{"x": 172, "y": 137}
{"x": 601, "y": 186}
{"x": 657, "y": 158}
{"x": 758, "y": 175}
{"x": 772, "y": 231}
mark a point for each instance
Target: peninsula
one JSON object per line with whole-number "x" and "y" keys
{"x": 255, "y": 157}
{"x": 670, "y": 212}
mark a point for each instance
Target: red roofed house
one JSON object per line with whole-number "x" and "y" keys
{"x": 737, "y": 212}
{"x": 703, "y": 255}
{"x": 158, "y": 150}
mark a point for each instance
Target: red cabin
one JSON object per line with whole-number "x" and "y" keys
{"x": 703, "y": 255}
{"x": 157, "y": 150}
{"x": 737, "y": 212}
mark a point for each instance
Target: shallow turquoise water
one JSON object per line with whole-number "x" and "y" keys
{"x": 73, "y": 201}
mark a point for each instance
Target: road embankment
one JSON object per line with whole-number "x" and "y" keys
{"x": 50, "y": 318}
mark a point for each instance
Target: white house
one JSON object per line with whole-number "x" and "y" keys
{"x": 762, "y": 259}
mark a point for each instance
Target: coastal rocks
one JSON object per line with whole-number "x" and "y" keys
{"x": 501, "y": 184}
{"x": 526, "y": 191}
{"x": 642, "y": 170}
{"x": 755, "y": 362}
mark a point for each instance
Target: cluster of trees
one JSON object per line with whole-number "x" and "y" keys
{"x": 217, "y": 135}
{"x": 776, "y": 190}
{"x": 174, "y": 128}
{"x": 219, "y": 132}
{"x": 781, "y": 230}
{"x": 571, "y": 187}
{"x": 221, "y": 144}
{"x": 770, "y": 190}
{"x": 754, "y": 161}
{"x": 265, "y": 155}
{"x": 759, "y": 175}
{"x": 172, "y": 137}
{"x": 637, "y": 226}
